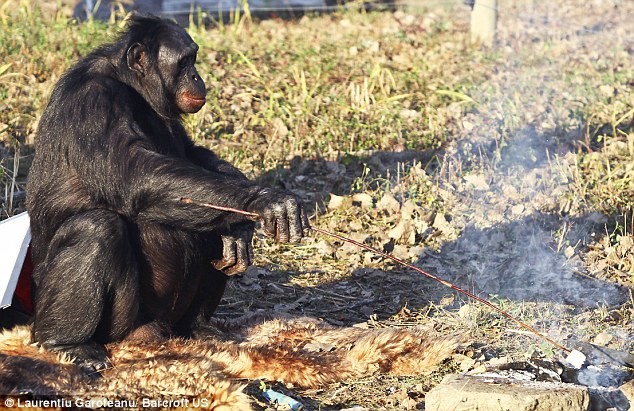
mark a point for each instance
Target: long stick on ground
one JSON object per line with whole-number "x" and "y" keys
{"x": 398, "y": 260}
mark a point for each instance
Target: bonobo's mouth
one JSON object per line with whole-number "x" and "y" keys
{"x": 195, "y": 99}
{"x": 190, "y": 103}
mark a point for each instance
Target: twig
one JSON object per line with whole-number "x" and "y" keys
{"x": 402, "y": 262}
{"x": 443, "y": 282}
{"x": 521, "y": 332}
{"x": 220, "y": 208}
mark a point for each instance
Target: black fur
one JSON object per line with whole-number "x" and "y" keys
{"x": 116, "y": 253}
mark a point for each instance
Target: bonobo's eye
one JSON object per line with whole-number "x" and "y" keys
{"x": 186, "y": 62}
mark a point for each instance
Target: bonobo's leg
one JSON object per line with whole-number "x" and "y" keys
{"x": 196, "y": 323}
{"x": 172, "y": 271}
{"x": 210, "y": 289}
{"x": 87, "y": 290}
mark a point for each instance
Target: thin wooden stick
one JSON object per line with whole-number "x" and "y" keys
{"x": 399, "y": 261}
{"x": 220, "y": 208}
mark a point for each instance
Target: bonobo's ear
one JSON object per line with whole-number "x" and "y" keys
{"x": 137, "y": 58}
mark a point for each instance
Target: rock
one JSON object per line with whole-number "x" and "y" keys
{"x": 482, "y": 392}
{"x": 628, "y": 390}
{"x": 603, "y": 339}
{"x": 576, "y": 359}
{"x": 608, "y": 399}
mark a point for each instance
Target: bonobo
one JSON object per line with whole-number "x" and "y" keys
{"x": 116, "y": 253}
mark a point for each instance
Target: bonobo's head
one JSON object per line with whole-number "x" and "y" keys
{"x": 159, "y": 57}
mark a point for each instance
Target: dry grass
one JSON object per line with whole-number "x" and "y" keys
{"x": 509, "y": 172}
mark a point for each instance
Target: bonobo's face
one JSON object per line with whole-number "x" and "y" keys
{"x": 186, "y": 89}
{"x": 163, "y": 69}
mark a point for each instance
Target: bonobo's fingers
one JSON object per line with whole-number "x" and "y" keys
{"x": 237, "y": 250}
{"x": 229, "y": 255}
{"x": 299, "y": 226}
{"x": 282, "y": 224}
{"x": 244, "y": 258}
{"x": 268, "y": 223}
{"x": 282, "y": 215}
{"x": 295, "y": 212}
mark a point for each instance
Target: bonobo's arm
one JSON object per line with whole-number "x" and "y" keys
{"x": 208, "y": 160}
{"x": 237, "y": 239}
{"x": 125, "y": 173}
{"x": 161, "y": 181}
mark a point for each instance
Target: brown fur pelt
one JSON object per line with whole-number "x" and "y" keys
{"x": 301, "y": 351}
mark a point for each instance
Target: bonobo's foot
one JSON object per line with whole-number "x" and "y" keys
{"x": 205, "y": 332}
{"x": 91, "y": 357}
{"x": 150, "y": 332}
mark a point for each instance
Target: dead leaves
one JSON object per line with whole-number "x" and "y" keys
{"x": 612, "y": 257}
{"x": 367, "y": 215}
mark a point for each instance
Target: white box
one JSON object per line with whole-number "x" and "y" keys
{"x": 15, "y": 237}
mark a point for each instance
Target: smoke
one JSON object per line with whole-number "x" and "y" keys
{"x": 518, "y": 244}
{"x": 524, "y": 232}
{"x": 517, "y": 261}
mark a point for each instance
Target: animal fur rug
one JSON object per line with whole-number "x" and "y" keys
{"x": 301, "y": 351}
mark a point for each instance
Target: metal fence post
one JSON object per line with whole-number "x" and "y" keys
{"x": 483, "y": 21}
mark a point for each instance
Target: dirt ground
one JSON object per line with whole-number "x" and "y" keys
{"x": 510, "y": 227}
{"x": 526, "y": 200}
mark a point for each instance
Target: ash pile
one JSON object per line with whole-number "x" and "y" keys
{"x": 588, "y": 378}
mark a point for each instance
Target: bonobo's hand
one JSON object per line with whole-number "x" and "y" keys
{"x": 237, "y": 249}
{"x": 282, "y": 215}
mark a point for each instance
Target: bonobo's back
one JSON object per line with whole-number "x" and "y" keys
{"x": 69, "y": 130}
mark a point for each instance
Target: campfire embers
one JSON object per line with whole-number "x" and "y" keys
{"x": 597, "y": 355}
{"x": 588, "y": 379}
{"x": 595, "y": 366}
{"x": 602, "y": 370}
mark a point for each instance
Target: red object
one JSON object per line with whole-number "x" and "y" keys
{"x": 23, "y": 289}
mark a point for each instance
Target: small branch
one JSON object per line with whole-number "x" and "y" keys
{"x": 401, "y": 262}
{"x": 443, "y": 282}
{"x": 186, "y": 200}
